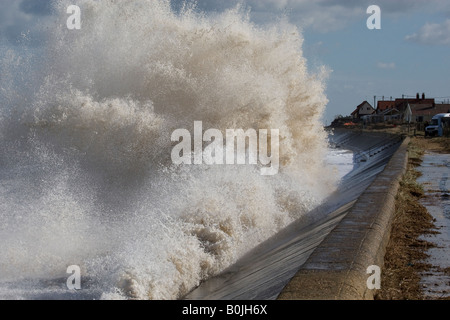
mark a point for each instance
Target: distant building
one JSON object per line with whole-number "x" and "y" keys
{"x": 385, "y": 105}
{"x": 408, "y": 110}
{"x": 401, "y": 110}
{"x": 364, "y": 109}
{"x": 409, "y": 107}
{"x": 424, "y": 114}
{"x": 391, "y": 114}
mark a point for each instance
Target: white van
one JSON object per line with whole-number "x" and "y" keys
{"x": 437, "y": 125}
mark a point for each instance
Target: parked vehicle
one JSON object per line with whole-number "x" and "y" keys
{"x": 438, "y": 124}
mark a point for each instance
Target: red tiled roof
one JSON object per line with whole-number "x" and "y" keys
{"x": 401, "y": 104}
{"x": 384, "y": 105}
{"x": 414, "y": 101}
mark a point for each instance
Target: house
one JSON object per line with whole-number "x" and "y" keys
{"x": 408, "y": 114}
{"x": 389, "y": 114}
{"x": 415, "y": 104}
{"x": 407, "y": 110}
{"x": 424, "y": 114}
{"x": 364, "y": 109}
{"x": 401, "y": 110}
{"x": 383, "y": 105}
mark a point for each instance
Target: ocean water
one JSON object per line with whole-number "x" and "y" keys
{"x": 341, "y": 161}
{"x": 86, "y": 176}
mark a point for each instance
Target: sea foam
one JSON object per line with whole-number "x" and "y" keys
{"x": 86, "y": 176}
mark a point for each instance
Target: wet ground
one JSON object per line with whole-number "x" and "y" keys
{"x": 435, "y": 180}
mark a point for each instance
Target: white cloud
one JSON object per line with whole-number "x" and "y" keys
{"x": 326, "y": 15}
{"x": 432, "y": 34}
{"x": 21, "y": 16}
{"x": 386, "y": 65}
{"x": 23, "y": 19}
{"x": 316, "y": 15}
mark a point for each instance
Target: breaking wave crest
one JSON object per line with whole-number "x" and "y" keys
{"x": 86, "y": 176}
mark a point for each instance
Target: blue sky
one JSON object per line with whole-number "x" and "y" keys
{"x": 409, "y": 54}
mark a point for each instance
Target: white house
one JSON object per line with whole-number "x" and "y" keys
{"x": 364, "y": 109}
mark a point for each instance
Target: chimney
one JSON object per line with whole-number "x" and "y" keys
{"x": 423, "y": 96}
{"x": 417, "y": 96}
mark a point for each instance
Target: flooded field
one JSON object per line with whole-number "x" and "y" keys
{"x": 436, "y": 183}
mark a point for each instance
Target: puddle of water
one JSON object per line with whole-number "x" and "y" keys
{"x": 435, "y": 180}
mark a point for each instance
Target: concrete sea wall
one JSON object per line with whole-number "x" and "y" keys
{"x": 325, "y": 255}
{"x": 337, "y": 269}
